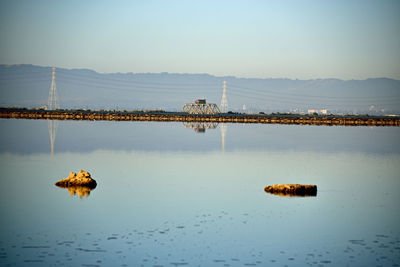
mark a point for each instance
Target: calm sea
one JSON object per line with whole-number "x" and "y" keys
{"x": 170, "y": 194}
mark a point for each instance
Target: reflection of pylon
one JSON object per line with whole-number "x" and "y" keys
{"x": 52, "y": 133}
{"x": 223, "y": 134}
{"x": 53, "y": 101}
{"x": 224, "y": 101}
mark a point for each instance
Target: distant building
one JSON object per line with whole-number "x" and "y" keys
{"x": 321, "y": 111}
{"x": 200, "y": 101}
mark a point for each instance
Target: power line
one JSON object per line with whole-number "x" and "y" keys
{"x": 267, "y": 91}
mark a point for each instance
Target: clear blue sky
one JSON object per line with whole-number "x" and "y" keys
{"x": 293, "y": 39}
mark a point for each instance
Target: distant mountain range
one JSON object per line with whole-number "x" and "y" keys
{"x": 28, "y": 86}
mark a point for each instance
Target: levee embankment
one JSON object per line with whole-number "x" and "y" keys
{"x": 328, "y": 120}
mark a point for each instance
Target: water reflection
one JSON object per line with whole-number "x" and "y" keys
{"x": 141, "y": 136}
{"x": 200, "y": 127}
{"x": 286, "y": 194}
{"x": 80, "y": 191}
{"x": 52, "y": 125}
{"x": 223, "y": 134}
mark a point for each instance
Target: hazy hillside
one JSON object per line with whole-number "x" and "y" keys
{"x": 28, "y": 85}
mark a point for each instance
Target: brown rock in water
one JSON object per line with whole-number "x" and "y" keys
{"x": 292, "y": 190}
{"x": 81, "y": 179}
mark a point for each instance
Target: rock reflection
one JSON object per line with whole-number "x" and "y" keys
{"x": 292, "y": 194}
{"x": 80, "y": 191}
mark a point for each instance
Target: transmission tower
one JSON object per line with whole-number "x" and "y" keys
{"x": 53, "y": 102}
{"x": 224, "y": 101}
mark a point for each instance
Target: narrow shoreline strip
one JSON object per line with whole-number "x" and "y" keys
{"x": 323, "y": 120}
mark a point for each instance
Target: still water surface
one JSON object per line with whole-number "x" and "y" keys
{"x": 168, "y": 196}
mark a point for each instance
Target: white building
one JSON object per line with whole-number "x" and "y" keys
{"x": 321, "y": 111}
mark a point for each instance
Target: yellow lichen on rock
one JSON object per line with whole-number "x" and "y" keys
{"x": 81, "y": 179}
{"x": 292, "y": 190}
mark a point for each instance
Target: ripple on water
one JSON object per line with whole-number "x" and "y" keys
{"x": 35, "y": 247}
{"x": 90, "y": 250}
{"x": 179, "y": 263}
{"x": 382, "y": 248}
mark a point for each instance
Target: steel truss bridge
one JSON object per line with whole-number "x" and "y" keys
{"x": 193, "y": 108}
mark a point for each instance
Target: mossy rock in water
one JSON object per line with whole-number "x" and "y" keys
{"x": 292, "y": 190}
{"x": 81, "y": 179}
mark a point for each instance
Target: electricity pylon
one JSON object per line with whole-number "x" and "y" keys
{"x": 53, "y": 101}
{"x": 224, "y": 101}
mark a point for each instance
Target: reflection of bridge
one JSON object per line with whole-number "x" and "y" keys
{"x": 200, "y": 127}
